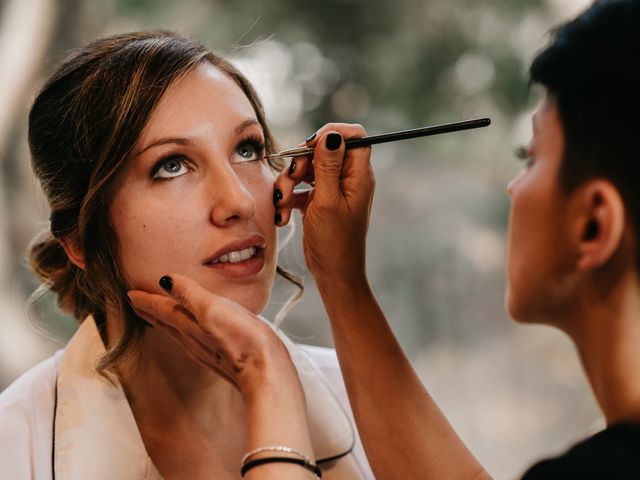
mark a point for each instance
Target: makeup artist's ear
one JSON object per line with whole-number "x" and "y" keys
{"x": 600, "y": 223}
{"x": 73, "y": 250}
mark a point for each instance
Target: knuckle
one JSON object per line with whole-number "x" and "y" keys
{"x": 327, "y": 208}
{"x": 185, "y": 296}
{"x": 331, "y": 127}
{"x": 153, "y": 309}
{"x": 360, "y": 130}
{"x": 210, "y": 311}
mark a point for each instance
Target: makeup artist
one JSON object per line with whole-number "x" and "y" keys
{"x": 573, "y": 262}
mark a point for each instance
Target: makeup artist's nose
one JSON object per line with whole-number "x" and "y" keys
{"x": 232, "y": 201}
{"x": 513, "y": 183}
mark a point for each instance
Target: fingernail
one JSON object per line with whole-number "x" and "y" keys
{"x": 166, "y": 283}
{"x": 334, "y": 140}
{"x": 277, "y": 196}
{"x": 310, "y": 138}
{"x": 292, "y": 167}
{"x": 278, "y": 218}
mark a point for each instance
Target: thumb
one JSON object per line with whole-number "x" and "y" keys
{"x": 327, "y": 166}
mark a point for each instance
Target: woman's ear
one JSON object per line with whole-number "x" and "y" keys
{"x": 74, "y": 252}
{"x": 601, "y": 223}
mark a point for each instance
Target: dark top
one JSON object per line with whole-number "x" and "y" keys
{"x": 613, "y": 453}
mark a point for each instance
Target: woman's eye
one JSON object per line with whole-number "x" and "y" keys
{"x": 170, "y": 167}
{"x": 249, "y": 151}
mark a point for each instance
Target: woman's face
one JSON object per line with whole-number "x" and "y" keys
{"x": 196, "y": 198}
{"x": 538, "y": 258}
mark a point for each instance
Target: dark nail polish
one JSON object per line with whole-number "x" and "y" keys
{"x": 292, "y": 168}
{"x": 334, "y": 140}
{"x": 278, "y": 218}
{"x": 166, "y": 283}
{"x": 310, "y": 138}
{"x": 277, "y": 196}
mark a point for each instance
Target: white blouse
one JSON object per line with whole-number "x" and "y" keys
{"x": 62, "y": 420}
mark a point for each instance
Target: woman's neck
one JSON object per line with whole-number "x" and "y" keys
{"x": 178, "y": 402}
{"x": 164, "y": 386}
{"x": 606, "y": 330}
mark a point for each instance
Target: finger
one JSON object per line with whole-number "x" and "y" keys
{"x": 161, "y": 307}
{"x": 347, "y": 130}
{"x": 286, "y": 182}
{"x": 201, "y": 303}
{"x": 327, "y": 165}
{"x": 194, "y": 347}
{"x": 299, "y": 201}
{"x": 299, "y": 168}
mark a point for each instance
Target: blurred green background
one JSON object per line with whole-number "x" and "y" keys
{"x": 437, "y": 236}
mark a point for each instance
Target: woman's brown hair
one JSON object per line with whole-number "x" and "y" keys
{"x": 83, "y": 126}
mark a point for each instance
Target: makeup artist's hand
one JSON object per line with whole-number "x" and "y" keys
{"x": 217, "y": 332}
{"x": 336, "y": 212}
{"x": 224, "y": 336}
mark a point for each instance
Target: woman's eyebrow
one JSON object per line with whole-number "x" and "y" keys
{"x": 164, "y": 141}
{"x": 186, "y": 140}
{"x": 246, "y": 124}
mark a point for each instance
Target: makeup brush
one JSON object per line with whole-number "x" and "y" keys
{"x": 391, "y": 137}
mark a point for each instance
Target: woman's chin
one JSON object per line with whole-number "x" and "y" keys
{"x": 252, "y": 300}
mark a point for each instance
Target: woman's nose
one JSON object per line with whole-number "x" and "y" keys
{"x": 232, "y": 200}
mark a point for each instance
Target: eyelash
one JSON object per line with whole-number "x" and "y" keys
{"x": 256, "y": 142}
{"x": 162, "y": 161}
{"x": 522, "y": 153}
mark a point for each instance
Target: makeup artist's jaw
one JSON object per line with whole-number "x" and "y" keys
{"x": 537, "y": 250}
{"x": 196, "y": 197}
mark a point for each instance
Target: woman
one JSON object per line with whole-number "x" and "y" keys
{"x": 151, "y": 152}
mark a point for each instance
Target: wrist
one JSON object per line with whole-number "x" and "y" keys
{"x": 348, "y": 288}
{"x": 270, "y": 376}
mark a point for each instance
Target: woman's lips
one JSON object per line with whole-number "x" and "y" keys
{"x": 243, "y": 268}
{"x": 256, "y": 241}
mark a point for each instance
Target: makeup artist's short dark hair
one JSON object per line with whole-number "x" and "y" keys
{"x": 592, "y": 69}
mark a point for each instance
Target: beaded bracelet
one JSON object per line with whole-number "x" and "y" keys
{"x": 297, "y": 461}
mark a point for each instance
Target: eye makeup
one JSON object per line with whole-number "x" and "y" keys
{"x": 172, "y": 164}
{"x": 249, "y": 149}
{"x": 256, "y": 144}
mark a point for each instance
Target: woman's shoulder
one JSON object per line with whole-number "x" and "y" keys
{"x": 29, "y": 401}
{"x": 31, "y": 388}
{"x": 612, "y": 453}
{"x": 26, "y": 422}
{"x": 326, "y": 360}
{"x": 323, "y": 357}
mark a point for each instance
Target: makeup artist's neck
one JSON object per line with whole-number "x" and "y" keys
{"x": 606, "y": 331}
